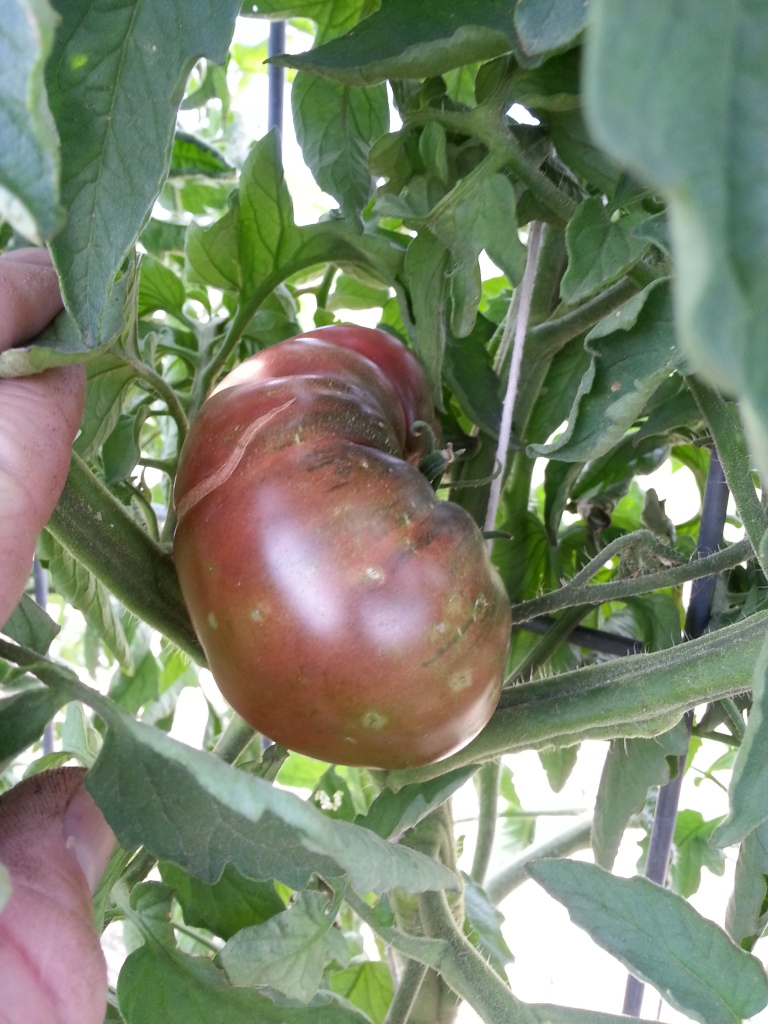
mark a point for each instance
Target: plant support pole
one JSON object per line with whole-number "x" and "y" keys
{"x": 713, "y": 512}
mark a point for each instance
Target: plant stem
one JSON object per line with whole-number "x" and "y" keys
{"x": 576, "y": 837}
{"x": 635, "y": 696}
{"x": 734, "y": 455}
{"x": 574, "y": 593}
{"x": 101, "y": 534}
{"x": 465, "y": 971}
{"x": 558, "y": 632}
{"x": 235, "y": 738}
{"x": 405, "y": 995}
{"x": 487, "y": 782}
{"x": 546, "y": 339}
{"x": 457, "y": 961}
{"x": 584, "y": 636}
{"x": 162, "y": 389}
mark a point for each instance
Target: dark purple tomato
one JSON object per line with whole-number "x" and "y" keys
{"x": 346, "y": 612}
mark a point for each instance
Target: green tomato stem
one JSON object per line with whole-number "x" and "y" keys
{"x": 640, "y": 695}
{"x": 406, "y": 993}
{"x": 487, "y": 782}
{"x": 457, "y": 961}
{"x": 576, "y": 837}
{"x": 580, "y": 591}
{"x": 100, "y": 532}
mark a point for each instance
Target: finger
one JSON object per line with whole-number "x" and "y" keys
{"x": 39, "y": 419}
{"x": 29, "y": 295}
{"x": 51, "y": 964}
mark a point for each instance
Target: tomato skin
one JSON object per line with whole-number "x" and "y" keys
{"x": 346, "y": 612}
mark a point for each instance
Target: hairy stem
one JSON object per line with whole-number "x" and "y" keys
{"x": 406, "y": 993}
{"x": 101, "y": 534}
{"x": 576, "y": 837}
{"x": 641, "y": 695}
{"x": 487, "y": 782}
{"x": 579, "y": 591}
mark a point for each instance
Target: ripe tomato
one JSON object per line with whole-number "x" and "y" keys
{"x": 346, "y": 612}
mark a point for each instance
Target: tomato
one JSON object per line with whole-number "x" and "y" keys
{"x": 345, "y": 611}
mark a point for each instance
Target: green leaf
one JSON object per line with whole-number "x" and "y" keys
{"x": 483, "y": 219}
{"x": 333, "y": 17}
{"x": 86, "y": 593}
{"x": 546, "y": 25}
{"x": 391, "y": 814}
{"x": 191, "y": 990}
{"x": 267, "y": 234}
{"x": 351, "y": 293}
{"x": 522, "y": 562}
{"x": 29, "y": 143}
{"x": 406, "y": 41}
{"x": 517, "y": 829}
{"x": 31, "y": 626}
{"x": 576, "y": 147}
{"x": 559, "y": 389}
{"x": 336, "y": 126}
{"x": 693, "y": 851}
{"x": 468, "y": 371}
{"x": 661, "y": 939}
{"x": 745, "y": 918}
{"x": 167, "y": 791}
{"x": 193, "y": 156}
{"x": 558, "y": 764}
{"x": 108, "y": 379}
{"x": 631, "y": 768}
{"x": 113, "y": 163}
{"x": 600, "y": 250}
{"x": 693, "y": 126}
{"x": 426, "y": 264}
{"x": 749, "y": 782}
{"x": 162, "y": 236}
{"x": 482, "y": 926}
{"x": 368, "y": 986}
{"x": 288, "y": 952}
{"x": 212, "y": 252}
{"x": 23, "y": 718}
{"x": 159, "y": 288}
{"x": 232, "y": 903}
{"x": 627, "y": 366}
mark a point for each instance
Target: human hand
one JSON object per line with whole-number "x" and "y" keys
{"x": 39, "y": 418}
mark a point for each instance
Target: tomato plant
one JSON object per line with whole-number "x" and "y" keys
{"x": 344, "y": 610}
{"x": 559, "y": 206}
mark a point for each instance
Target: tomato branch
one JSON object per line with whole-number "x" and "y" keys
{"x": 449, "y": 953}
{"x": 576, "y": 837}
{"x": 100, "y": 532}
{"x": 579, "y": 591}
{"x": 487, "y": 781}
{"x": 641, "y": 695}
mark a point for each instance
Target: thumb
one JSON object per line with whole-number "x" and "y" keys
{"x": 52, "y": 969}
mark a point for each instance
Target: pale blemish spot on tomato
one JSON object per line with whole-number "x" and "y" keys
{"x": 256, "y": 615}
{"x": 460, "y": 680}
{"x": 374, "y": 720}
{"x": 213, "y": 622}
